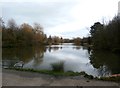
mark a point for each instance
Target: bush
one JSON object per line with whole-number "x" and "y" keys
{"x": 58, "y": 66}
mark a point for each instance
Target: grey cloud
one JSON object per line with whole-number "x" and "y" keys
{"x": 35, "y": 11}
{"x": 48, "y": 14}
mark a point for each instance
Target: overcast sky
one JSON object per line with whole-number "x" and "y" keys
{"x": 66, "y": 18}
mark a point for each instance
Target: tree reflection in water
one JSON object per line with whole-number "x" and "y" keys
{"x": 107, "y": 63}
{"x": 76, "y": 58}
{"x": 38, "y": 55}
{"x": 23, "y": 54}
{"x": 50, "y": 48}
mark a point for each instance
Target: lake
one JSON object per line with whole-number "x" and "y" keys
{"x": 74, "y": 58}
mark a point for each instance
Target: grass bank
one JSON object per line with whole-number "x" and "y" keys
{"x": 55, "y": 73}
{"x": 69, "y": 73}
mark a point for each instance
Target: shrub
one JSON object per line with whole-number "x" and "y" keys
{"x": 59, "y": 66}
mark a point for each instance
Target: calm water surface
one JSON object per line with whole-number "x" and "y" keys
{"x": 74, "y": 58}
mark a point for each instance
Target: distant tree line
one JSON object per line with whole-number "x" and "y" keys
{"x": 25, "y": 35}
{"x": 106, "y": 36}
{"x": 55, "y": 40}
{"x": 102, "y": 36}
{"x": 77, "y": 41}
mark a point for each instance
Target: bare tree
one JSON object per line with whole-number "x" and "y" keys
{"x": 1, "y": 24}
{"x": 12, "y": 24}
{"x": 38, "y": 28}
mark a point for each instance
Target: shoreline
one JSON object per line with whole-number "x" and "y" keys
{"x": 24, "y": 78}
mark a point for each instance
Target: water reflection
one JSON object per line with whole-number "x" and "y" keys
{"x": 13, "y": 56}
{"x": 53, "y": 48}
{"x": 77, "y": 47}
{"x": 105, "y": 61}
{"x": 104, "y": 71}
{"x": 75, "y": 58}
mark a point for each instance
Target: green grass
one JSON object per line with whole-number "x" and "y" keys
{"x": 55, "y": 73}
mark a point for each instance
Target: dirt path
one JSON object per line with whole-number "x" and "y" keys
{"x": 18, "y": 78}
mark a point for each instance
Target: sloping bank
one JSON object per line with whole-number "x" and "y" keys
{"x": 69, "y": 73}
{"x": 25, "y": 78}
